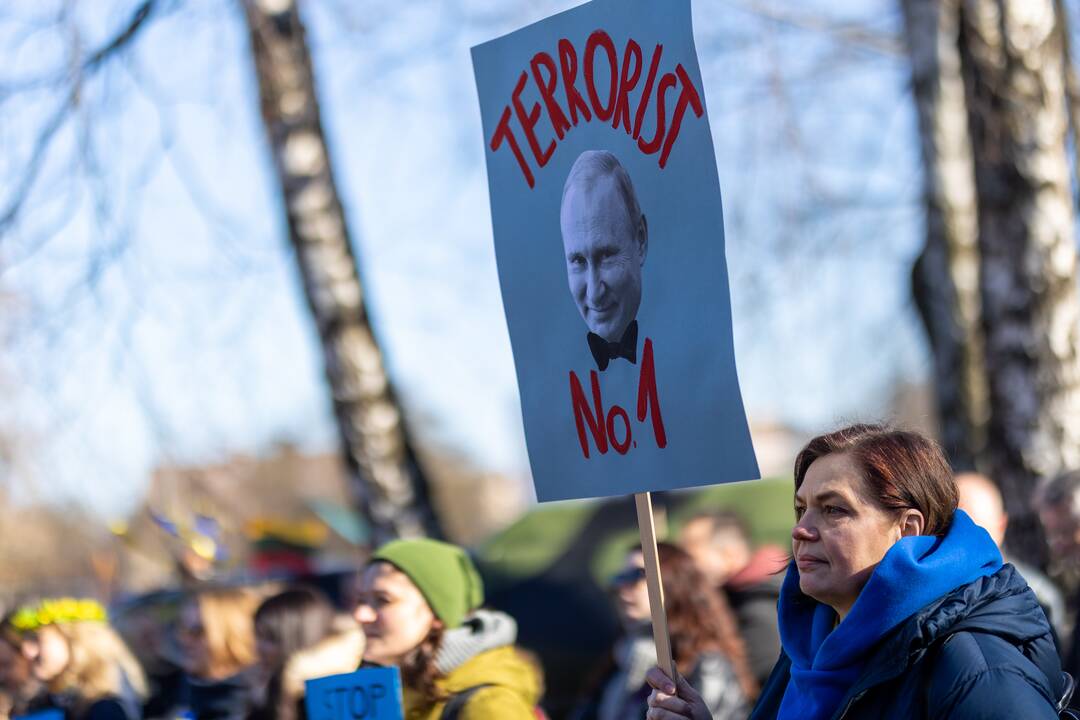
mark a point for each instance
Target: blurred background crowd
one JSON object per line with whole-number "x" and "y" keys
{"x": 576, "y": 638}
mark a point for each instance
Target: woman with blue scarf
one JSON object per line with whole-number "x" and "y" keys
{"x": 896, "y": 606}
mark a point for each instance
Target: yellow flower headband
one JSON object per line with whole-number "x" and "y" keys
{"x": 57, "y": 610}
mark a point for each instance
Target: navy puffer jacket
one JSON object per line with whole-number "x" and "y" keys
{"x": 983, "y": 651}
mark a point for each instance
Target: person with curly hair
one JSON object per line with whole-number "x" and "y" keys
{"x": 705, "y": 642}
{"x": 419, "y": 607}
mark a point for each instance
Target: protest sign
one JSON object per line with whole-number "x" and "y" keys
{"x": 609, "y": 241}
{"x": 369, "y": 694}
{"x": 50, "y": 714}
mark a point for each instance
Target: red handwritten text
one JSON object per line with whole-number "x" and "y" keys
{"x": 614, "y": 426}
{"x": 612, "y": 103}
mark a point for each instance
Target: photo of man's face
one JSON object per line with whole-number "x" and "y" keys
{"x": 605, "y": 240}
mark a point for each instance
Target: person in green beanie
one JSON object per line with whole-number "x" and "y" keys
{"x": 420, "y": 609}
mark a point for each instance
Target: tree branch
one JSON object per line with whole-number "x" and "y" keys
{"x": 90, "y": 65}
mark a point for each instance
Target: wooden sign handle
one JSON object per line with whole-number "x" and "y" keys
{"x": 652, "y": 581}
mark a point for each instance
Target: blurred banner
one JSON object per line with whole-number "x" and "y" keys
{"x": 609, "y": 238}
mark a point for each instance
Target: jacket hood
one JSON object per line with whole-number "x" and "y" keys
{"x": 1000, "y": 604}
{"x": 504, "y": 667}
{"x": 509, "y": 687}
{"x": 480, "y": 631}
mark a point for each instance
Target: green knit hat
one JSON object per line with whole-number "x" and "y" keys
{"x": 443, "y": 573}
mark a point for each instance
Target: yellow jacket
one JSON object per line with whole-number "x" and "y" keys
{"x": 513, "y": 693}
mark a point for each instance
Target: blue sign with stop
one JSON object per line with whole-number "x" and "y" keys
{"x": 368, "y": 694}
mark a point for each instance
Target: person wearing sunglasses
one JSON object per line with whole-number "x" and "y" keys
{"x": 216, "y": 636}
{"x": 704, "y": 638}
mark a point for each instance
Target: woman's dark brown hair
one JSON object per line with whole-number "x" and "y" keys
{"x": 418, "y": 670}
{"x": 699, "y": 618}
{"x": 900, "y": 469}
{"x": 293, "y": 620}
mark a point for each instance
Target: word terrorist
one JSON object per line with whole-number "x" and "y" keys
{"x": 617, "y": 108}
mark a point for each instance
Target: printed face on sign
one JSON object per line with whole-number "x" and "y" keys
{"x": 605, "y": 240}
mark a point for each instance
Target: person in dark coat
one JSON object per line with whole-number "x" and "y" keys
{"x": 897, "y": 605}
{"x": 981, "y": 499}
{"x": 1057, "y": 500}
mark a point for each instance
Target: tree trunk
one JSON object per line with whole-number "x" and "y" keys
{"x": 389, "y": 487}
{"x": 1072, "y": 85}
{"x": 1014, "y": 80}
{"x": 945, "y": 279}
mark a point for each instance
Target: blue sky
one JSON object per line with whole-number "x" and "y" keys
{"x": 154, "y": 313}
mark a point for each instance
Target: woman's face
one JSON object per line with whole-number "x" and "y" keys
{"x": 394, "y": 614}
{"x": 841, "y": 534}
{"x": 630, "y": 592}
{"x": 49, "y": 654}
{"x": 192, "y": 638}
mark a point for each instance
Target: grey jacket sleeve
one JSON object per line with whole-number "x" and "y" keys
{"x": 715, "y": 679}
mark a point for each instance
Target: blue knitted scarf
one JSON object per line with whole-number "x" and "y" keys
{"x": 826, "y": 662}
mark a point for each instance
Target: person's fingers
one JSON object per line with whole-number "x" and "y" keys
{"x": 655, "y": 697}
{"x": 663, "y": 701}
{"x": 657, "y": 679}
{"x": 661, "y": 714}
{"x": 686, "y": 690}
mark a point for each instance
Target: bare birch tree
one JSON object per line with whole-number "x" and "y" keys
{"x": 387, "y": 477}
{"x": 990, "y": 84}
{"x": 1015, "y": 86}
{"x": 945, "y": 281}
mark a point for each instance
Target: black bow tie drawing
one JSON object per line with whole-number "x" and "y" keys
{"x": 604, "y": 352}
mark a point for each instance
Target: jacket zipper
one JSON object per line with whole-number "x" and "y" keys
{"x": 851, "y": 702}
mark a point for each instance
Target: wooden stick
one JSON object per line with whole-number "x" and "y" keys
{"x": 652, "y": 582}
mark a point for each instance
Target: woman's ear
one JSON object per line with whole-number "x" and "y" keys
{"x": 912, "y": 523}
